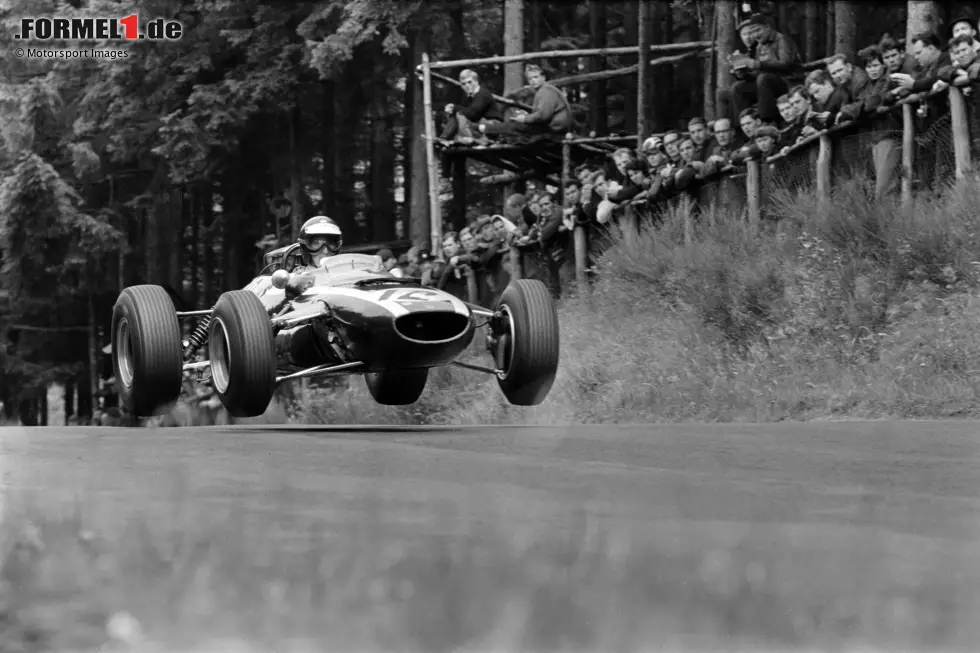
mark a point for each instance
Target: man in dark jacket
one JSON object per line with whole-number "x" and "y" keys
{"x": 762, "y": 73}
{"x": 478, "y": 106}
{"x": 885, "y": 137}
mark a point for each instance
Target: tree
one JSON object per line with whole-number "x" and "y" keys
{"x": 845, "y": 28}
{"x": 922, "y": 16}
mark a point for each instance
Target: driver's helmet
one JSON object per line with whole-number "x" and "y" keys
{"x": 320, "y": 236}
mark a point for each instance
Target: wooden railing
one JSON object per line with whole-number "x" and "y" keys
{"x": 824, "y": 142}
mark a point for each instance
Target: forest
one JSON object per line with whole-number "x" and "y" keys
{"x": 182, "y": 163}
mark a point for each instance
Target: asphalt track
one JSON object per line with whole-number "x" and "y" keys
{"x": 916, "y": 485}
{"x": 913, "y": 478}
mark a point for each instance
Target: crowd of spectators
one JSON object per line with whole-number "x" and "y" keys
{"x": 774, "y": 104}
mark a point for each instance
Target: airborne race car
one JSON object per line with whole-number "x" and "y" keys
{"x": 349, "y": 316}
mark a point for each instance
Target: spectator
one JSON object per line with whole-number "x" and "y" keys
{"x": 672, "y": 143}
{"x": 516, "y": 210}
{"x": 388, "y": 259}
{"x": 965, "y": 73}
{"x": 697, "y": 129}
{"x": 554, "y": 244}
{"x": 761, "y": 74}
{"x": 896, "y": 59}
{"x": 748, "y": 121}
{"x": 551, "y": 113}
{"x": 786, "y": 111}
{"x": 766, "y": 139}
{"x": 885, "y": 145}
{"x": 689, "y": 159}
{"x": 721, "y": 154}
{"x": 621, "y": 189}
{"x": 478, "y": 107}
{"x": 963, "y": 26}
{"x": 928, "y": 52}
{"x": 447, "y": 272}
{"x": 800, "y": 100}
{"x": 826, "y": 102}
{"x": 852, "y": 81}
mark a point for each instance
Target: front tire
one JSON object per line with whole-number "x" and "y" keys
{"x": 147, "y": 354}
{"x": 242, "y": 351}
{"x": 528, "y": 348}
{"x": 397, "y": 387}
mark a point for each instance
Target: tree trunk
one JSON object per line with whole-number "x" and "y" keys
{"x": 598, "y": 108}
{"x": 534, "y": 24}
{"x": 457, "y": 44}
{"x": 382, "y": 194}
{"x": 295, "y": 181}
{"x": 93, "y": 353}
{"x": 627, "y": 85}
{"x": 418, "y": 230}
{"x": 327, "y": 190}
{"x": 175, "y": 235}
{"x": 151, "y": 240}
{"x": 513, "y": 44}
{"x": 709, "y": 31}
{"x": 69, "y": 400}
{"x": 725, "y": 44}
{"x": 644, "y": 20}
{"x": 921, "y": 16}
{"x": 845, "y": 28}
{"x": 194, "y": 247}
{"x": 811, "y": 30}
{"x": 42, "y": 405}
{"x": 830, "y": 30}
{"x": 209, "y": 243}
{"x": 409, "y": 135}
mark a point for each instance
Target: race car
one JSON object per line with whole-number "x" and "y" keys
{"x": 347, "y": 316}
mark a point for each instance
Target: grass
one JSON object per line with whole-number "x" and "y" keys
{"x": 865, "y": 311}
{"x": 222, "y": 581}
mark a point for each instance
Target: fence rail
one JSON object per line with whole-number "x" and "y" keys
{"x": 745, "y": 189}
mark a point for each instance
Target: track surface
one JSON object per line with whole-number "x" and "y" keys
{"x": 866, "y": 511}
{"x": 911, "y": 478}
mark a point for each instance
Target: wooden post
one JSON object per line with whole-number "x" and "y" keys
{"x": 566, "y": 176}
{"x": 642, "y": 70}
{"x": 435, "y": 212}
{"x": 472, "y": 292}
{"x": 908, "y": 153}
{"x": 961, "y": 131}
{"x": 93, "y": 354}
{"x": 581, "y": 256}
{"x": 753, "y": 183}
{"x": 823, "y": 169}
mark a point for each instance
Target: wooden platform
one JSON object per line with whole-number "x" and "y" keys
{"x": 543, "y": 156}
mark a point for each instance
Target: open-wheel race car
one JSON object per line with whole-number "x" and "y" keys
{"x": 348, "y": 316}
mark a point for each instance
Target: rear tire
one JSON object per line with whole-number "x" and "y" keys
{"x": 397, "y": 387}
{"x": 528, "y": 351}
{"x": 147, "y": 352}
{"x": 242, "y": 351}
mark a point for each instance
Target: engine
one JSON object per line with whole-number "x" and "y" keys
{"x": 309, "y": 344}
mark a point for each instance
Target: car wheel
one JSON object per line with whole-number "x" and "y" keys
{"x": 397, "y": 387}
{"x": 147, "y": 354}
{"x": 242, "y": 351}
{"x": 527, "y": 348}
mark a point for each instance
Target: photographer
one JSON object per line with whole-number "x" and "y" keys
{"x": 761, "y": 73}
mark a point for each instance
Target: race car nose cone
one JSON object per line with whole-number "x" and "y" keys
{"x": 280, "y": 278}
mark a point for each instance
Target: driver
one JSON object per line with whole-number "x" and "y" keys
{"x": 319, "y": 237}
